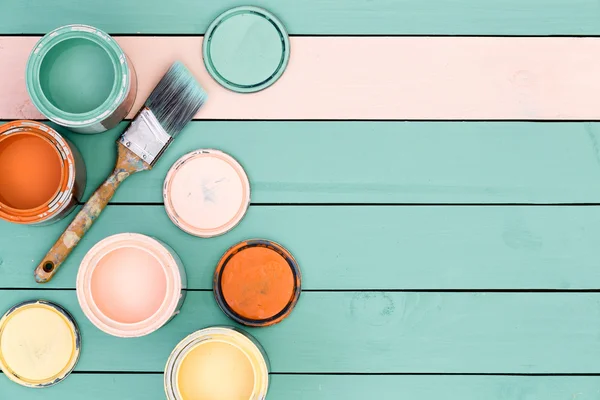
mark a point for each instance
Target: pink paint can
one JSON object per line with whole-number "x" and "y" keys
{"x": 206, "y": 193}
{"x": 130, "y": 285}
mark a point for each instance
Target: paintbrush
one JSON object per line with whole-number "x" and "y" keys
{"x": 171, "y": 105}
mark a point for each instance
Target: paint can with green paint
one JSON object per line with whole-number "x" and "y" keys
{"x": 80, "y": 78}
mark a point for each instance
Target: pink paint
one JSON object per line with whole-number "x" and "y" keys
{"x": 372, "y": 78}
{"x": 130, "y": 285}
{"x": 122, "y": 279}
{"x": 206, "y": 193}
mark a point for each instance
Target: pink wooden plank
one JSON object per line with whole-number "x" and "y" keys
{"x": 373, "y": 78}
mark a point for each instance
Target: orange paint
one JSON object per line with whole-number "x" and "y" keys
{"x": 257, "y": 283}
{"x": 42, "y": 175}
{"x": 30, "y": 171}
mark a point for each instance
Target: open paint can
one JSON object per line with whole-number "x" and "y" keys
{"x": 130, "y": 285}
{"x": 217, "y": 363}
{"x": 206, "y": 193}
{"x": 42, "y": 175}
{"x": 39, "y": 344}
{"x": 79, "y": 77}
{"x": 257, "y": 283}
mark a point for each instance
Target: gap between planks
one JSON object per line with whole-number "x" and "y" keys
{"x": 376, "y": 204}
{"x": 363, "y": 290}
{"x": 353, "y": 373}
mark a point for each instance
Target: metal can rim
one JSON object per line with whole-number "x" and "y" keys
{"x": 258, "y": 86}
{"x": 64, "y": 195}
{"x": 230, "y": 312}
{"x": 174, "y": 272}
{"x": 196, "y": 231}
{"x": 261, "y": 366}
{"x": 119, "y": 91}
{"x": 63, "y": 374}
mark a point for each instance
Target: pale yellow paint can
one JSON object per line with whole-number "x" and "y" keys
{"x": 39, "y": 344}
{"x": 217, "y": 363}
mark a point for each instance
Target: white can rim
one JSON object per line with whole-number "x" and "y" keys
{"x": 240, "y": 339}
{"x": 198, "y": 231}
{"x": 175, "y": 283}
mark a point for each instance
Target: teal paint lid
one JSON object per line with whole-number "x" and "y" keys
{"x": 246, "y": 49}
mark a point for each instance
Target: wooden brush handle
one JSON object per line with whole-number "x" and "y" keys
{"x": 127, "y": 164}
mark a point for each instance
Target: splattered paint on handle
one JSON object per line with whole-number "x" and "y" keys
{"x": 127, "y": 164}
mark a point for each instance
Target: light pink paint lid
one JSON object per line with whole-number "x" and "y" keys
{"x": 206, "y": 193}
{"x": 130, "y": 285}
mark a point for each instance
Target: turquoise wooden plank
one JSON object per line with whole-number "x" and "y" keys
{"x": 375, "y": 332}
{"x": 325, "y": 387}
{"x": 433, "y": 17}
{"x": 382, "y": 162}
{"x": 319, "y": 387}
{"x": 90, "y": 387}
{"x": 369, "y": 247}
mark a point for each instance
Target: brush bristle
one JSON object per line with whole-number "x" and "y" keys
{"x": 176, "y": 99}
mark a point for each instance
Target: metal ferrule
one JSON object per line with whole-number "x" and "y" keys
{"x": 146, "y": 137}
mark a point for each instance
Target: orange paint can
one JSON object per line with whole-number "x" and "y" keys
{"x": 257, "y": 283}
{"x": 42, "y": 175}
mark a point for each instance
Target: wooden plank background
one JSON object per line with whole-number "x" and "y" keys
{"x": 316, "y": 17}
{"x": 433, "y": 165}
{"x": 325, "y": 387}
{"x": 378, "y": 333}
{"x": 372, "y": 78}
{"x": 380, "y": 247}
{"x": 349, "y": 162}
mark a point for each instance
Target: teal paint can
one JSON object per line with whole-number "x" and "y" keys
{"x": 79, "y": 77}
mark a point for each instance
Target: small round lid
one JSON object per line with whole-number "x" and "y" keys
{"x": 39, "y": 344}
{"x": 246, "y": 49}
{"x": 206, "y": 193}
{"x": 257, "y": 283}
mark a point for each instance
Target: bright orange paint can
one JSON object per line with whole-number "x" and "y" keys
{"x": 257, "y": 283}
{"x": 42, "y": 175}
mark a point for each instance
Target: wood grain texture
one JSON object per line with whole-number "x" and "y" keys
{"x": 501, "y": 17}
{"x": 359, "y": 247}
{"x": 383, "y": 162}
{"x": 364, "y": 249}
{"x": 378, "y": 333}
{"x": 325, "y": 387}
{"x": 387, "y": 78}
{"x": 92, "y": 387}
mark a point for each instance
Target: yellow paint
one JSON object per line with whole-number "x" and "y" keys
{"x": 216, "y": 370}
{"x": 37, "y": 344}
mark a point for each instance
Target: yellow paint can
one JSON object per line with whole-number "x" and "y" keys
{"x": 217, "y": 363}
{"x": 39, "y": 344}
